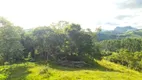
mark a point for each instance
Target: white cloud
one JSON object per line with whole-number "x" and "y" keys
{"x": 131, "y": 4}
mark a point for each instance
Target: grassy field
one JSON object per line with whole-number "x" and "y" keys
{"x": 104, "y": 70}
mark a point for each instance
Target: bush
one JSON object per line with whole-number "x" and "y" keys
{"x": 6, "y": 63}
{"x": 45, "y": 70}
{"x": 106, "y": 53}
{"x": 1, "y": 60}
{"x": 29, "y": 56}
{"x": 124, "y": 57}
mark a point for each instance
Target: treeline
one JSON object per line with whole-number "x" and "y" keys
{"x": 126, "y": 51}
{"x": 131, "y": 44}
{"x": 60, "y": 41}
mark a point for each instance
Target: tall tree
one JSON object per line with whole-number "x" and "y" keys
{"x": 10, "y": 47}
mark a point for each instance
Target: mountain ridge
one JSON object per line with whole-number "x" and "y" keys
{"x": 119, "y": 33}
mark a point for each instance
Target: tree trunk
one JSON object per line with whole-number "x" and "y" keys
{"x": 33, "y": 53}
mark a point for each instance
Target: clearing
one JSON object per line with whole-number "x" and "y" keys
{"x": 104, "y": 70}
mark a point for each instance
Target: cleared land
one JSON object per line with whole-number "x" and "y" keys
{"x": 104, "y": 70}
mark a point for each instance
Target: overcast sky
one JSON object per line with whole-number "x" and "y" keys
{"x": 87, "y": 13}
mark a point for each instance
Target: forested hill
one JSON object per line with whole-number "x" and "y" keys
{"x": 119, "y": 33}
{"x": 47, "y": 52}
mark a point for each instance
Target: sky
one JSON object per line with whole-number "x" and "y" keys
{"x": 88, "y": 13}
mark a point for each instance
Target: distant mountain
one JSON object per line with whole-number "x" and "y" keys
{"x": 124, "y": 29}
{"x": 119, "y": 33}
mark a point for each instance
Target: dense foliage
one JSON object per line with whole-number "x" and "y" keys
{"x": 125, "y": 51}
{"x": 131, "y": 44}
{"x": 129, "y": 59}
{"x": 67, "y": 43}
{"x": 59, "y": 41}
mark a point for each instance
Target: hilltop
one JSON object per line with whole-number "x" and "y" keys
{"x": 103, "y": 70}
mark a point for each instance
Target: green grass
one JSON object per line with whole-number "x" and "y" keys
{"x": 104, "y": 70}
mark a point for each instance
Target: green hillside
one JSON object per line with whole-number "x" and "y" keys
{"x": 104, "y": 70}
{"x": 120, "y": 33}
{"x": 66, "y": 51}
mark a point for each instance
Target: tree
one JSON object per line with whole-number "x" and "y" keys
{"x": 48, "y": 41}
{"x": 80, "y": 42}
{"x": 28, "y": 42}
{"x": 98, "y": 30}
{"x": 10, "y": 47}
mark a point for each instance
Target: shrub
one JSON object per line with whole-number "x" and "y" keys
{"x": 44, "y": 70}
{"x": 106, "y": 53}
{"x": 124, "y": 57}
{"x": 29, "y": 56}
{"x": 1, "y": 60}
{"x": 6, "y": 63}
